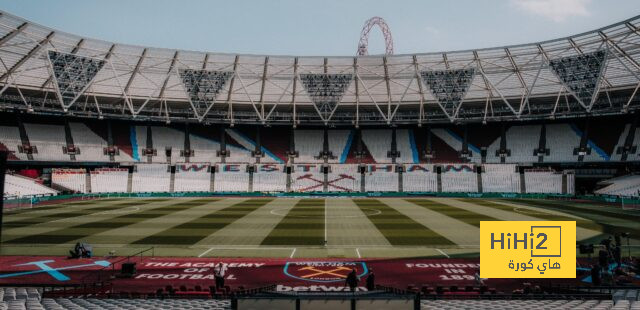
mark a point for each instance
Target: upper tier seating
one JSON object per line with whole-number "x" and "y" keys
{"x": 500, "y": 179}
{"x": 19, "y": 186}
{"x": 269, "y": 178}
{"x": 231, "y": 178}
{"x": 109, "y": 180}
{"x": 456, "y": 142}
{"x": 163, "y": 138}
{"x": 72, "y": 179}
{"x": 406, "y": 145}
{"x": 561, "y": 141}
{"x": 192, "y": 177}
{"x": 419, "y": 178}
{"x": 309, "y": 145}
{"x": 521, "y": 141}
{"x": 459, "y": 178}
{"x": 10, "y": 139}
{"x": 49, "y": 140}
{"x": 625, "y": 186}
{"x": 378, "y": 142}
{"x": 337, "y": 143}
{"x": 151, "y": 178}
{"x": 205, "y": 149}
{"x": 381, "y": 178}
{"x": 91, "y": 145}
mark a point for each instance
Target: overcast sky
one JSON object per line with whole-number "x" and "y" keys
{"x": 322, "y": 27}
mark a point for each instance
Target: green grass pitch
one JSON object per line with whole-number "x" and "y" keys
{"x": 291, "y": 227}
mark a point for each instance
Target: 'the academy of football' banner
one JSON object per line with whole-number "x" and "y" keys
{"x": 319, "y": 275}
{"x": 528, "y": 249}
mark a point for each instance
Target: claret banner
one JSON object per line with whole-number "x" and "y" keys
{"x": 528, "y": 249}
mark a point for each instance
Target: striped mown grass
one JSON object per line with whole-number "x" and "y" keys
{"x": 471, "y": 218}
{"x": 193, "y": 231}
{"x": 95, "y": 207}
{"x": 601, "y": 220}
{"x": 303, "y": 225}
{"x": 397, "y": 227}
{"x": 80, "y": 231}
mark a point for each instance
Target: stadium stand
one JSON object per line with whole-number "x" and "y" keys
{"x": 419, "y": 178}
{"x": 625, "y": 186}
{"x": 231, "y": 178}
{"x": 269, "y": 178}
{"x": 309, "y": 145}
{"x": 165, "y": 139}
{"x": 458, "y": 178}
{"x": 526, "y": 304}
{"x": 10, "y": 140}
{"x": 543, "y": 181}
{"x": 561, "y": 141}
{"x": 109, "y": 180}
{"x": 204, "y": 149}
{"x": 74, "y": 180}
{"x": 344, "y": 178}
{"x": 406, "y": 145}
{"x": 378, "y": 143}
{"x": 19, "y": 186}
{"x": 48, "y": 139}
{"x": 192, "y": 177}
{"x": 307, "y": 178}
{"x": 337, "y": 143}
{"x": 500, "y": 179}
{"x": 150, "y": 178}
{"x": 381, "y": 178}
{"x": 90, "y": 145}
{"x": 521, "y": 140}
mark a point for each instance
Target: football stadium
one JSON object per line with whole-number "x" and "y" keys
{"x": 138, "y": 177}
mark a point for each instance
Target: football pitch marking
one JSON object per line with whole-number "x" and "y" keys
{"x": 443, "y": 253}
{"x": 371, "y": 212}
{"x": 120, "y": 211}
{"x": 293, "y": 252}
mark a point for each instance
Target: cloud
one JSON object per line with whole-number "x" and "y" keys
{"x": 556, "y": 10}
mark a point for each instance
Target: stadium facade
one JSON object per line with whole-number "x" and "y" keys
{"x": 460, "y": 121}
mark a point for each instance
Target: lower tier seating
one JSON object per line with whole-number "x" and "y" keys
{"x": 18, "y": 186}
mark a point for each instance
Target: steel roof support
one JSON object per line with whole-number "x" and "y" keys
{"x": 389, "y": 118}
{"x": 579, "y": 50}
{"x": 496, "y": 89}
{"x": 264, "y": 81}
{"x": 22, "y": 60}
{"x": 164, "y": 84}
{"x": 12, "y": 34}
{"x": 293, "y": 94}
{"x": 420, "y": 89}
{"x": 74, "y": 51}
{"x": 357, "y": 87}
{"x": 516, "y": 70}
{"x": 233, "y": 78}
{"x": 486, "y": 83}
{"x": 31, "y": 53}
{"x": 133, "y": 75}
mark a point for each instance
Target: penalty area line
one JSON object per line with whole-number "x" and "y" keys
{"x": 293, "y": 252}
{"x": 205, "y": 252}
{"x": 443, "y": 253}
{"x": 358, "y": 252}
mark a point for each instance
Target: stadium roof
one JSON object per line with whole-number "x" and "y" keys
{"x": 48, "y": 71}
